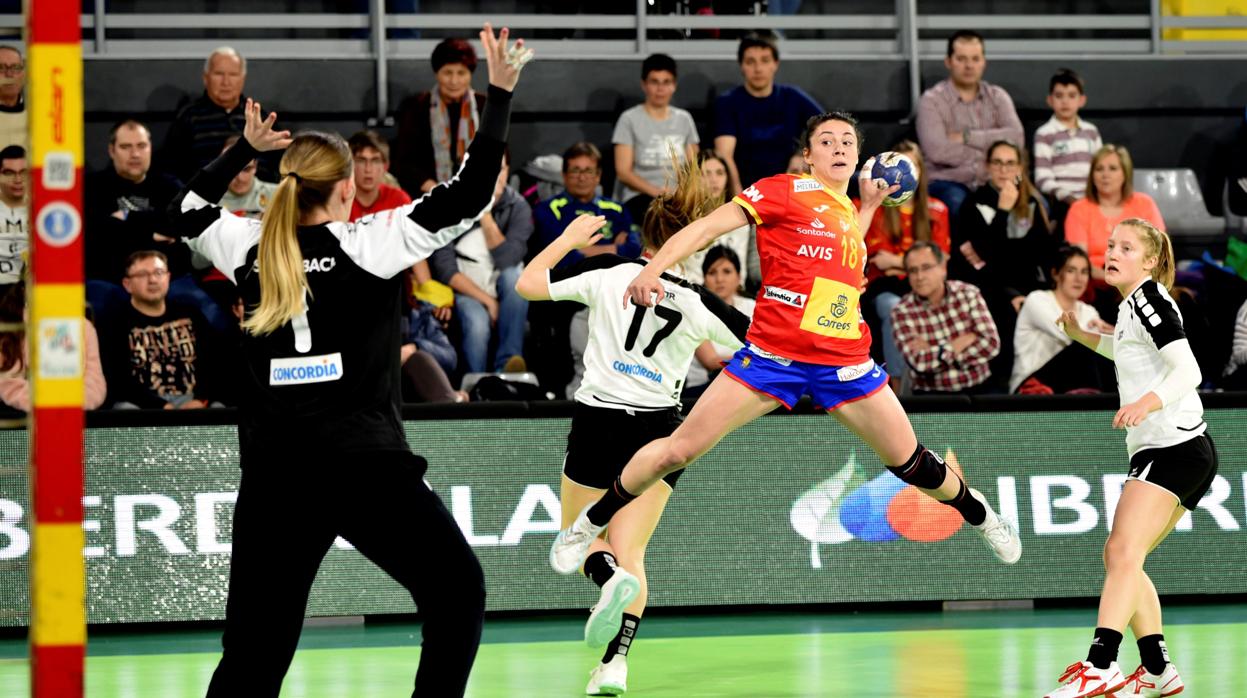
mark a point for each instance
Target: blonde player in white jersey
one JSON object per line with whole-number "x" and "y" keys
{"x": 1172, "y": 460}
{"x": 635, "y": 365}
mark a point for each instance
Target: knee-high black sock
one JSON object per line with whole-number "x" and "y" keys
{"x": 600, "y": 567}
{"x": 971, "y": 509}
{"x": 1104, "y": 648}
{"x": 616, "y": 498}
{"x": 623, "y": 638}
{"x": 1153, "y": 653}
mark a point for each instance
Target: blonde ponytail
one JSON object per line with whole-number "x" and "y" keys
{"x": 669, "y": 212}
{"x": 312, "y": 166}
{"x": 1157, "y": 243}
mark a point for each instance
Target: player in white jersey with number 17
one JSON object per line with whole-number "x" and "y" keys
{"x": 1172, "y": 461}
{"x": 635, "y": 365}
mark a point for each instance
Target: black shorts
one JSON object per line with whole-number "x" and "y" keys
{"x": 603, "y": 440}
{"x": 1186, "y": 470}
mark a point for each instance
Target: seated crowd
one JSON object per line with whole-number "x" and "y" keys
{"x": 964, "y": 282}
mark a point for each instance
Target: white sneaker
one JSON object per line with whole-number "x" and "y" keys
{"x": 1142, "y": 684}
{"x": 572, "y": 544}
{"x": 1082, "y": 680}
{"x": 999, "y": 533}
{"x": 605, "y": 617}
{"x": 609, "y": 679}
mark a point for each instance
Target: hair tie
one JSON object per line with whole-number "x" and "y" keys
{"x": 297, "y": 178}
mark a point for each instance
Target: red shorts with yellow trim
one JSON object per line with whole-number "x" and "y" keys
{"x": 787, "y": 380}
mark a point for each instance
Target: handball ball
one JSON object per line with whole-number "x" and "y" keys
{"x": 896, "y": 168}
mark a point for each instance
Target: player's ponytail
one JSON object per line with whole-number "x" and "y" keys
{"x": 1157, "y": 243}
{"x": 311, "y": 167}
{"x": 670, "y": 212}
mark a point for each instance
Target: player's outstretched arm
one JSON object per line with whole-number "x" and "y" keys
{"x": 534, "y": 283}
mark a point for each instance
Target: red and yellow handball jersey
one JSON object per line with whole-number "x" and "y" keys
{"x": 813, "y": 260}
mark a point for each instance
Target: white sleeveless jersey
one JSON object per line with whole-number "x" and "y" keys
{"x": 1148, "y": 320}
{"x": 637, "y": 357}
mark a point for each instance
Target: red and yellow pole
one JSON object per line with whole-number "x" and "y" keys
{"x": 55, "y": 334}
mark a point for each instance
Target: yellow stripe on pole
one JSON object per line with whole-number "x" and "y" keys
{"x": 57, "y": 570}
{"x": 57, "y": 88}
{"x": 58, "y": 346}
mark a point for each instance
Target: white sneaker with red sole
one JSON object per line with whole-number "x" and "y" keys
{"x": 1142, "y": 684}
{"x": 1082, "y": 680}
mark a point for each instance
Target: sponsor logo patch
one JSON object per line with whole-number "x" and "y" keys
{"x": 783, "y": 295}
{"x": 800, "y": 185}
{"x": 301, "y": 370}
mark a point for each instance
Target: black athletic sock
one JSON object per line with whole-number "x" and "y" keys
{"x": 623, "y": 638}
{"x": 600, "y": 567}
{"x": 1153, "y": 653}
{"x": 971, "y": 509}
{"x": 1104, "y": 648}
{"x": 616, "y": 498}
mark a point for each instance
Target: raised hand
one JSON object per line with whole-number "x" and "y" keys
{"x": 646, "y": 289}
{"x": 259, "y": 132}
{"x": 873, "y": 191}
{"x": 504, "y": 62}
{"x": 583, "y": 231}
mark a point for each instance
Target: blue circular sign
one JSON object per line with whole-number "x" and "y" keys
{"x": 58, "y": 224}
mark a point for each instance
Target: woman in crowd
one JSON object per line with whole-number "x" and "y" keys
{"x": 15, "y": 361}
{"x": 741, "y": 240}
{"x": 1045, "y": 358}
{"x": 1110, "y": 199}
{"x": 436, "y": 127}
{"x": 721, "y": 273}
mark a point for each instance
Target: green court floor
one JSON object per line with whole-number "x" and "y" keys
{"x": 988, "y": 654}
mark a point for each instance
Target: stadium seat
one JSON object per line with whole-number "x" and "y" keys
{"x": 1181, "y": 202}
{"x": 1234, "y": 223}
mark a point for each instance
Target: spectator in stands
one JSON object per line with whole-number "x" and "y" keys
{"x": 125, "y": 213}
{"x": 942, "y": 327}
{"x": 740, "y": 241}
{"x": 582, "y": 174}
{"x": 1004, "y": 242}
{"x": 893, "y": 230}
{"x": 958, "y": 118}
{"x": 201, "y": 127}
{"x": 13, "y": 120}
{"x": 372, "y": 161}
{"x": 1235, "y": 374}
{"x": 1046, "y": 360}
{"x": 248, "y": 195}
{"x": 15, "y": 359}
{"x": 436, "y": 127}
{"x": 797, "y": 164}
{"x": 648, "y": 136}
{"x": 721, "y": 270}
{"x": 156, "y": 354}
{"x": 427, "y": 357}
{"x": 14, "y": 215}
{"x": 550, "y": 353}
{"x": 482, "y": 267}
{"x": 1111, "y": 198}
{"x": 1064, "y": 145}
{"x": 757, "y": 124}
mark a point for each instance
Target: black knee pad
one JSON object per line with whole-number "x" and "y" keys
{"x": 923, "y": 469}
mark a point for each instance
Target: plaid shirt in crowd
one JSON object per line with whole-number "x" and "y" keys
{"x": 962, "y": 311}
{"x": 990, "y": 117}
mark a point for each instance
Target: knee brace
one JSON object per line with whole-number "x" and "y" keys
{"x": 923, "y": 469}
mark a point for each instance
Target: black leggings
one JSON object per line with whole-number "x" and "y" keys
{"x": 289, "y": 512}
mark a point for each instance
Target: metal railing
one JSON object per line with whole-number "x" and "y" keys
{"x": 905, "y": 34}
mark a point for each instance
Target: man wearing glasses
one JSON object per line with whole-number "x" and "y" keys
{"x": 154, "y": 351}
{"x": 12, "y": 97}
{"x": 14, "y": 220}
{"x": 942, "y": 327}
{"x": 550, "y": 323}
